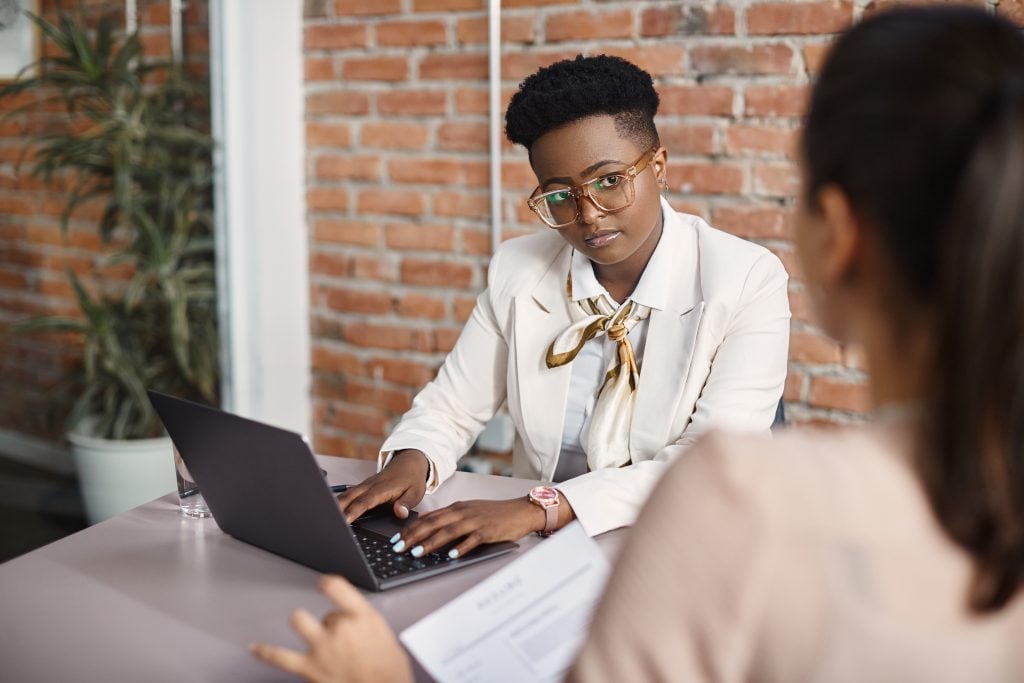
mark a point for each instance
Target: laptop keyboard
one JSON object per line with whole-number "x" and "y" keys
{"x": 386, "y": 563}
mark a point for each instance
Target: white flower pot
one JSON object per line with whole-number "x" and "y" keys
{"x": 115, "y": 476}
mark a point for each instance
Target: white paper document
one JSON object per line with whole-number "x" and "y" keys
{"x": 525, "y": 623}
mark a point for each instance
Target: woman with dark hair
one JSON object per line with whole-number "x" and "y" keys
{"x": 615, "y": 336}
{"x": 890, "y": 552}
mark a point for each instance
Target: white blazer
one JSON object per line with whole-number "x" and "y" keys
{"x": 715, "y": 357}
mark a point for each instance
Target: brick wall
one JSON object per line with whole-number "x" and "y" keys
{"x": 398, "y": 180}
{"x": 33, "y": 252}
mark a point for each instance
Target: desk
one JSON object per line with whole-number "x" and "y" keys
{"x": 150, "y": 595}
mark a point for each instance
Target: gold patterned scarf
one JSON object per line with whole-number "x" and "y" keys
{"x": 608, "y": 434}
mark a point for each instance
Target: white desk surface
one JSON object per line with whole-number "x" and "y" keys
{"x": 150, "y": 595}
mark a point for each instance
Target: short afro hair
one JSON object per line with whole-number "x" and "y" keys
{"x": 574, "y": 89}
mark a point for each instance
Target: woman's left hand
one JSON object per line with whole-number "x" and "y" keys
{"x": 473, "y": 521}
{"x": 352, "y": 644}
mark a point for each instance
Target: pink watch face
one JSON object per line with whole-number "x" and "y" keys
{"x": 544, "y": 494}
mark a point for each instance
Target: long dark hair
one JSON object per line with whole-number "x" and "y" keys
{"x": 918, "y": 116}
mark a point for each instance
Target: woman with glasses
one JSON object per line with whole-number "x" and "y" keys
{"x": 886, "y": 552}
{"x": 615, "y": 336}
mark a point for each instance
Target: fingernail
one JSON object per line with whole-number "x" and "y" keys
{"x": 453, "y": 553}
{"x": 399, "y": 547}
{"x": 417, "y": 551}
{"x": 404, "y": 510}
{"x": 394, "y": 539}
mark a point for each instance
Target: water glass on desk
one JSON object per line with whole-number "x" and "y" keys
{"x": 190, "y": 498}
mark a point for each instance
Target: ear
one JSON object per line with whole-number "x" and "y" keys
{"x": 660, "y": 164}
{"x": 840, "y": 239}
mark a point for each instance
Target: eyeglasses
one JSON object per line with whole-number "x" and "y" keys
{"x": 612, "y": 192}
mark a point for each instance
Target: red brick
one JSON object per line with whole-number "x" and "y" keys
{"x": 751, "y": 139}
{"x": 693, "y": 178}
{"x": 422, "y": 306}
{"x": 474, "y": 30}
{"x": 376, "y": 69}
{"x": 336, "y": 36}
{"x": 462, "y": 204}
{"x": 357, "y": 301}
{"x": 320, "y": 134}
{"x": 1012, "y": 10}
{"x": 517, "y": 175}
{"x": 425, "y": 171}
{"x": 412, "y": 102}
{"x": 518, "y": 65}
{"x": 345, "y": 167}
{"x": 814, "y": 56}
{"x": 367, "y": 7}
{"x": 456, "y": 66}
{"x": 440, "y": 273}
{"x": 326, "y": 199}
{"x": 420, "y": 237}
{"x": 476, "y": 242}
{"x": 384, "y": 268}
{"x": 445, "y": 338}
{"x": 358, "y": 419}
{"x": 696, "y": 100}
{"x": 476, "y": 173}
{"x": 775, "y": 100}
{"x": 794, "y": 388}
{"x": 715, "y": 60}
{"x": 828, "y": 392}
{"x": 411, "y": 33}
{"x": 331, "y": 360}
{"x": 156, "y": 44}
{"x": 463, "y": 136}
{"x": 368, "y": 394}
{"x": 505, "y": 4}
{"x": 446, "y": 5}
{"x": 587, "y": 25}
{"x": 781, "y": 180}
{"x": 319, "y": 69}
{"x": 462, "y": 307}
{"x": 333, "y": 444}
{"x": 754, "y": 222}
{"x": 344, "y": 231}
{"x": 340, "y": 102}
{"x": 399, "y": 202}
{"x": 658, "y": 61}
{"x": 396, "y": 337}
{"x": 666, "y": 21}
{"x": 801, "y": 306}
{"x": 687, "y": 139}
{"x": 472, "y": 101}
{"x": 807, "y": 347}
{"x": 801, "y": 18}
{"x": 324, "y": 263}
{"x": 390, "y": 135}
{"x": 407, "y": 372}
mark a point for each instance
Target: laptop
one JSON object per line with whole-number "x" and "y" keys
{"x": 264, "y": 487}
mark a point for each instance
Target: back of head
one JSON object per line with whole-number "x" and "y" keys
{"x": 578, "y": 88}
{"x": 918, "y": 116}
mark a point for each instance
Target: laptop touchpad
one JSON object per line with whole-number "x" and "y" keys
{"x": 385, "y": 524}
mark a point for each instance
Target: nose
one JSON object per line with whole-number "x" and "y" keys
{"x": 589, "y": 211}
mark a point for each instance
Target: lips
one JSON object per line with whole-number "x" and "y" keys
{"x": 602, "y": 238}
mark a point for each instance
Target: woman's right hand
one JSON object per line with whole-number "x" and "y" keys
{"x": 403, "y": 482}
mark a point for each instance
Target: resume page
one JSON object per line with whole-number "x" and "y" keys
{"x": 526, "y": 622}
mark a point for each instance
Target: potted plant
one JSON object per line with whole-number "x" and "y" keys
{"x": 130, "y": 138}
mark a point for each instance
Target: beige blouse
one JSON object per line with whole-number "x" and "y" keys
{"x": 810, "y": 557}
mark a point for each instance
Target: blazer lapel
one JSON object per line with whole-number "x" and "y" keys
{"x": 671, "y": 337}
{"x": 540, "y": 317}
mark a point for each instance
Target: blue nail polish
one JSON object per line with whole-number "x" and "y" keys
{"x": 453, "y": 553}
{"x": 417, "y": 551}
{"x": 394, "y": 539}
{"x": 399, "y": 547}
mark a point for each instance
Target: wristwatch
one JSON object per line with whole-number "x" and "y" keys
{"x": 547, "y": 498}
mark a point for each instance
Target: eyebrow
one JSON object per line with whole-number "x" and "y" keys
{"x": 587, "y": 171}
